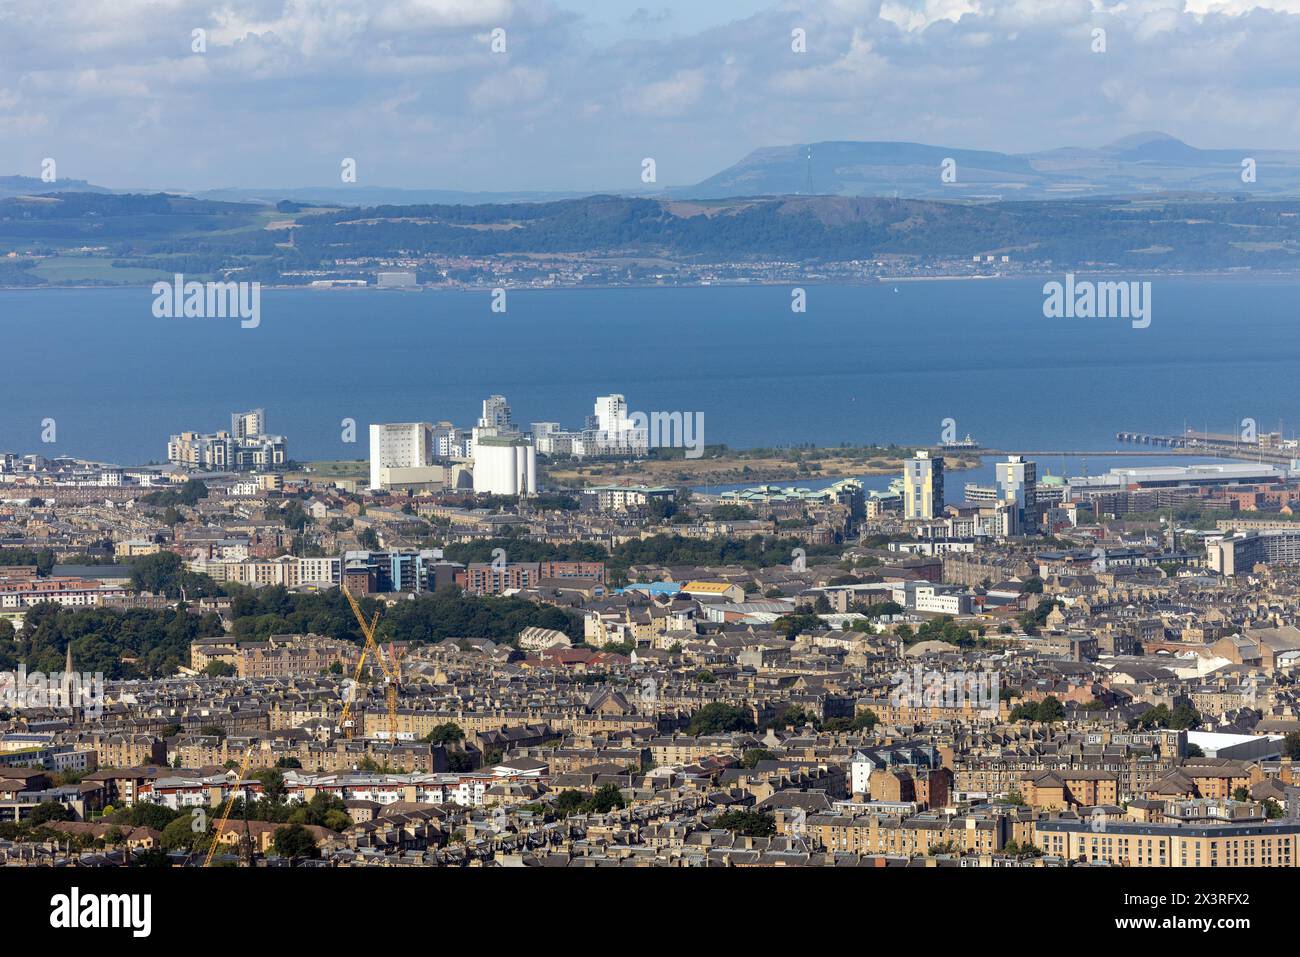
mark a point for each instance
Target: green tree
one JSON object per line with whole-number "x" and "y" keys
{"x": 179, "y": 835}
{"x": 48, "y": 811}
{"x": 1048, "y": 710}
{"x": 165, "y": 574}
{"x": 606, "y": 799}
{"x": 792, "y": 625}
{"x": 751, "y": 757}
{"x": 720, "y": 718}
{"x": 748, "y": 823}
{"x": 295, "y": 516}
{"x": 294, "y": 841}
{"x": 791, "y": 716}
{"x": 864, "y": 721}
{"x": 152, "y": 857}
{"x": 448, "y": 733}
{"x": 154, "y": 816}
{"x": 273, "y": 786}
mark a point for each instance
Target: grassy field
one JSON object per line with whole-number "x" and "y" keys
{"x": 74, "y": 269}
{"x": 753, "y": 466}
{"x": 333, "y": 469}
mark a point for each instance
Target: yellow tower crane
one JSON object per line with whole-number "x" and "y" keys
{"x": 225, "y": 815}
{"x": 391, "y": 670}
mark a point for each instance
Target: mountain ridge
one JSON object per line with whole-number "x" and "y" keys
{"x": 1137, "y": 164}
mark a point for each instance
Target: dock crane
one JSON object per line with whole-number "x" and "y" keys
{"x": 225, "y": 815}
{"x": 391, "y": 670}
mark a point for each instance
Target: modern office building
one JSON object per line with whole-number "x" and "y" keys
{"x": 923, "y": 486}
{"x": 504, "y": 465}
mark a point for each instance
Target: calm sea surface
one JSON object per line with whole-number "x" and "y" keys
{"x": 882, "y": 363}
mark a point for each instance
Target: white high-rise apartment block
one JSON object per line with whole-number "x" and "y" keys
{"x": 495, "y": 419}
{"x": 611, "y": 412}
{"x": 1018, "y": 484}
{"x": 504, "y": 465}
{"x": 399, "y": 445}
{"x": 247, "y": 425}
{"x": 923, "y": 486}
{"x": 615, "y": 431}
{"x": 450, "y": 442}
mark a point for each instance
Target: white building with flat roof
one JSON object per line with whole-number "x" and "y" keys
{"x": 399, "y": 445}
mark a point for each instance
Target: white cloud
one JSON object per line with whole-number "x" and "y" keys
{"x": 285, "y": 82}
{"x": 911, "y": 16}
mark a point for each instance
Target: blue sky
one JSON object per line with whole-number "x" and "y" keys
{"x": 586, "y": 89}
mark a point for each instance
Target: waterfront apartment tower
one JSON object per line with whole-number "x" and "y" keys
{"x": 496, "y": 418}
{"x": 614, "y": 431}
{"x": 1018, "y": 485}
{"x": 248, "y": 425}
{"x": 923, "y": 486}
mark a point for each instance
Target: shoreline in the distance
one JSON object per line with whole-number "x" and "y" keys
{"x": 1236, "y": 276}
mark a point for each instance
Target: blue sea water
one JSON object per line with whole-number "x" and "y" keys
{"x": 870, "y": 363}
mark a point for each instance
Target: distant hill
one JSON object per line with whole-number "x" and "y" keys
{"x": 375, "y": 196}
{"x": 1142, "y": 163}
{"x": 146, "y": 236}
{"x": 1139, "y": 164}
{"x": 32, "y": 186}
